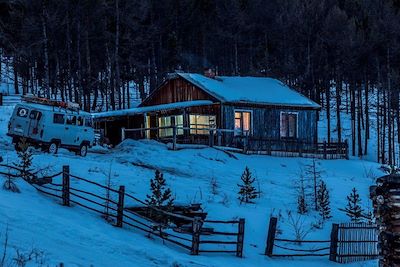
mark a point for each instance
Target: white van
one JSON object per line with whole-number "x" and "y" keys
{"x": 51, "y": 125}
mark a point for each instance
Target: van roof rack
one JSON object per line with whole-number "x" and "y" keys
{"x": 53, "y": 103}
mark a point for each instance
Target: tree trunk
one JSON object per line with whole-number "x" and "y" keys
{"x": 15, "y": 71}
{"x": 117, "y": 81}
{"x": 46, "y": 53}
{"x": 338, "y": 104}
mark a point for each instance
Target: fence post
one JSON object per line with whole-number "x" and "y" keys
{"x": 324, "y": 149}
{"x": 65, "y": 186}
{"x": 1, "y": 99}
{"x": 246, "y": 142}
{"x": 346, "y": 147}
{"x": 174, "y": 137}
{"x": 273, "y": 221}
{"x": 219, "y": 133}
{"x": 211, "y": 138}
{"x": 120, "y": 209}
{"x": 240, "y": 239}
{"x": 334, "y": 242}
{"x": 122, "y": 133}
{"x": 196, "y": 224}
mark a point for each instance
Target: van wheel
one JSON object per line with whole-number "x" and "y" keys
{"x": 83, "y": 150}
{"x": 53, "y": 148}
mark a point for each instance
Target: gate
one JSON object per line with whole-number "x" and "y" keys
{"x": 354, "y": 242}
{"x": 349, "y": 242}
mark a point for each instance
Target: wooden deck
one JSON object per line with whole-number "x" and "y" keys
{"x": 246, "y": 144}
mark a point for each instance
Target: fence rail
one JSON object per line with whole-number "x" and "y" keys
{"x": 196, "y": 240}
{"x": 246, "y": 142}
{"x": 348, "y": 242}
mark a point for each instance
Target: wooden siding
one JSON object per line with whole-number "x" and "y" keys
{"x": 266, "y": 122}
{"x": 176, "y": 90}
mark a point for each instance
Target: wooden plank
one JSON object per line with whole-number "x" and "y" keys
{"x": 240, "y": 238}
{"x": 65, "y": 186}
{"x": 334, "y": 242}
{"x": 196, "y": 224}
{"x": 120, "y": 209}
{"x": 273, "y": 221}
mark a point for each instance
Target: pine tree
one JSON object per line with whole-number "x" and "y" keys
{"x": 247, "y": 191}
{"x": 353, "y": 208}
{"x": 161, "y": 196}
{"x": 25, "y": 157}
{"x": 301, "y": 205}
{"x": 314, "y": 174}
{"x": 324, "y": 208}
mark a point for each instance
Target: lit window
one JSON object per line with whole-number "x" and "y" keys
{"x": 201, "y": 124}
{"x": 242, "y": 122}
{"x": 288, "y": 125}
{"x": 166, "y": 121}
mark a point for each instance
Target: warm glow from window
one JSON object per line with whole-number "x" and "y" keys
{"x": 288, "y": 125}
{"x": 242, "y": 122}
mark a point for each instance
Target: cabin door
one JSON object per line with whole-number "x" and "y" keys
{"x": 147, "y": 125}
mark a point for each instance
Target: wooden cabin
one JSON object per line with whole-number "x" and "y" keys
{"x": 263, "y": 112}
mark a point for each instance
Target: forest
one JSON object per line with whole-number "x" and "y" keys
{"x": 340, "y": 53}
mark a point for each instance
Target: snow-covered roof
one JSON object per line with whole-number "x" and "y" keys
{"x": 141, "y": 110}
{"x": 258, "y": 90}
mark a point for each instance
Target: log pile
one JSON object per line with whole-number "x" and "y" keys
{"x": 386, "y": 201}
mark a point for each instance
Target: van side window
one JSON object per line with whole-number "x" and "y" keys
{"x": 88, "y": 122}
{"x": 22, "y": 112}
{"x": 35, "y": 115}
{"x": 80, "y": 121}
{"x": 58, "y": 119}
{"x": 71, "y": 120}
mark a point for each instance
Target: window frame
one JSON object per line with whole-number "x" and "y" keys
{"x": 70, "y": 116}
{"x": 168, "y": 132}
{"x": 37, "y": 115}
{"x": 241, "y": 132}
{"x": 59, "y": 114}
{"x": 288, "y": 129}
{"x": 200, "y": 131}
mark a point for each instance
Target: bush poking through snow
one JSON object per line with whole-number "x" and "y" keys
{"x": 353, "y": 208}
{"x": 324, "y": 203}
{"x": 25, "y": 159}
{"x": 247, "y": 191}
{"x": 214, "y": 186}
{"x": 9, "y": 185}
{"x": 297, "y": 223}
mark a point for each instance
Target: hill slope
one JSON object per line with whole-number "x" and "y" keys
{"x": 80, "y": 238}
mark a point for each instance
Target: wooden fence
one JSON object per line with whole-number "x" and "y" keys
{"x": 203, "y": 236}
{"x": 348, "y": 242}
{"x": 246, "y": 143}
{"x": 354, "y": 242}
{"x": 9, "y": 100}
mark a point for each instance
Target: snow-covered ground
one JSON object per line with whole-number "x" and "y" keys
{"x": 78, "y": 237}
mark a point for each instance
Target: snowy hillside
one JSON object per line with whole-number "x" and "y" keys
{"x": 78, "y": 237}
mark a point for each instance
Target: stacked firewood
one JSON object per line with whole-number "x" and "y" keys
{"x": 386, "y": 200}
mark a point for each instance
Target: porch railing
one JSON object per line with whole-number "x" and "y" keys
{"x": 243, "y": 141}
